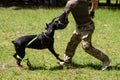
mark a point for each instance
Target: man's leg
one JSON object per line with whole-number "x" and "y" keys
{"x": 87, "y": 46}
{"x": 71, "y": 47}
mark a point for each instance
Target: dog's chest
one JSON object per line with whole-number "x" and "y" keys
{"x": 45, "y": 40}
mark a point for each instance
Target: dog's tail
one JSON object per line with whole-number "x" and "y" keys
{"x": 13, "y": 42}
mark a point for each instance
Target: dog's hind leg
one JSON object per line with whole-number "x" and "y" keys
{"x": 18, "y": 59}
{"x": 55, "y": 54}
{"x": 19, "y": 55}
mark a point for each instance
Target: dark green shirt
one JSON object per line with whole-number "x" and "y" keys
{"x": 79, "y": 10}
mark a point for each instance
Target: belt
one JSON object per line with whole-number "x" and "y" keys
{"x": 86, "y": 24}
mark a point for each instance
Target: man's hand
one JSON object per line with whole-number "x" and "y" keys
{"x": 92, "y": 15}
{"x": 93, "y": 8}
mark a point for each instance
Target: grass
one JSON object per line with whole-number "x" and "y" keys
{"x": 104, "y": 1}
{"x": 15, "y": 22}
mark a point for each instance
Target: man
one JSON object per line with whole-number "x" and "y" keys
{"x": 83, "y": 32}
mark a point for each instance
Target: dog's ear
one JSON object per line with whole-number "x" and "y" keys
{"x": 46, "y": 26}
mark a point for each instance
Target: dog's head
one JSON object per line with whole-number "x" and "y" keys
{"x": 61, "y": 21}
{"x": 51, "y": 25}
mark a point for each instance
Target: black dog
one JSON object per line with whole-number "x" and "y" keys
{"x": 42, "y": 41}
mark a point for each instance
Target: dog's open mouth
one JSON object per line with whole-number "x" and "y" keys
{"x": 61, "y": 21}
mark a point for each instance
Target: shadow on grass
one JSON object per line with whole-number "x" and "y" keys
{"x": 93, "y": 66}
{"x": 73, "y": 66}
{"x": 98, "y": 67}
{"x": 76, "y": 66}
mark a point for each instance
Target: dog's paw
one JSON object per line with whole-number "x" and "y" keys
{"x": 21, "y": 67}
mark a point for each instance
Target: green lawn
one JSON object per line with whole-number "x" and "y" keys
{"x": 15, "y": 22}
{"x": 104, "y": 1}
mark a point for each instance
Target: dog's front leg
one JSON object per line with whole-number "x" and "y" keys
{"x": 54, "y": 53}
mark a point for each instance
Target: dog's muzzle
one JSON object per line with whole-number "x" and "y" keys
{"x": 61, "y": 24}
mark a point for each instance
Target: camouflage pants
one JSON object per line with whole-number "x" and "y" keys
{"x": 83, "y": 34}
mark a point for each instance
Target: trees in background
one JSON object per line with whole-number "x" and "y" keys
{"x": 51, "y": 3}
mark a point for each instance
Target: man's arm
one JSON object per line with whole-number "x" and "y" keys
{"x": 93, "y": 7}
